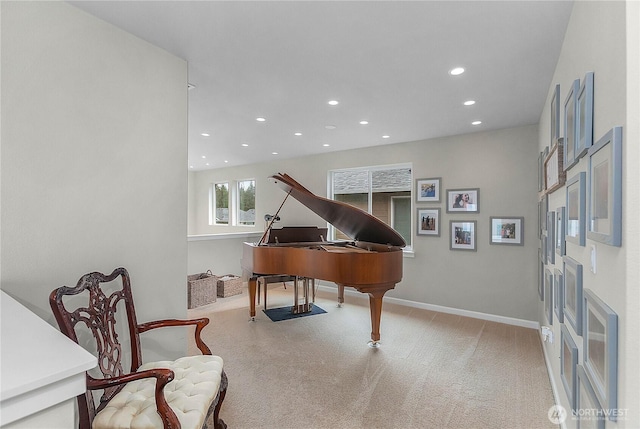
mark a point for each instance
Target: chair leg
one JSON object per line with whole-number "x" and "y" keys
{"x": 218, "y": 423}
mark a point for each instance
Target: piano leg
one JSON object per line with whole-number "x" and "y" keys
{"x": 375, "y": 306}
{"x": 340, "y": 295}
{"x": 252, "y": 297}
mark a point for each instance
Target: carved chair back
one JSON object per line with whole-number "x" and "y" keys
{"x": 98, "y": 316}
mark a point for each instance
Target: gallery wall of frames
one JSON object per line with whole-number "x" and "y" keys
{"x": 592, "y": 212}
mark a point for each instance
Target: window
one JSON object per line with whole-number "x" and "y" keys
{"x": 246, "y": 202}
{"x": 384, "y": 192}
{"x": 220, "y": 204}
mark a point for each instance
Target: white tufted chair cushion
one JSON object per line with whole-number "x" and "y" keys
{"x": 189, "y": 394}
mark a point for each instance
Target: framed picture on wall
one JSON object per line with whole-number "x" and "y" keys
{"x": 463, "y": 235}
{"x": 601, "y": 350}
{"x": 586, "y": 399}
{"x": 555, "y": 115}
{"x": 428, "y": 190}
{"x": 507, "y": 230}
{"x": 575, "y": 214}
{"x": 572, "y": 299}
{"x": 568, "y": 364}
{"x": 548, "y": 295}
{"x": 558, "y": 286}
{"x": 570, "y": 112}
{"x": 560, "y": 223}
{"x": 463, "y": 200}
{"x": 605, "y": 189}
{"x": 554, "y": 174}
{"x": 429, "y": 222}
{"x": 540, "y": 275}
{"x": 551, "y": 237}
{"x": 584, "y": 116}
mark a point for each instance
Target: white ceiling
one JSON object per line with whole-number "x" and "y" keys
{"x": 386, "y": 62}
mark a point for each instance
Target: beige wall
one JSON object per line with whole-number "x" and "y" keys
{"x": 94, "y": 135}
{"x": 498, "y": 280}
{"x": 603, "y": 37}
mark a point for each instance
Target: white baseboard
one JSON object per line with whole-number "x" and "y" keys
{"x": 441, "y": 309}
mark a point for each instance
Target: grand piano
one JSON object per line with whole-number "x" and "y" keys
{"x": 371, "y": 263}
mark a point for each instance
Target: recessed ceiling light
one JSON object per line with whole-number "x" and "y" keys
{"x": 205, "y": 134}
{"x": 191, "y": 166}
{"x": 297, "y": 134}
{"x": 330, "y": 127}
{"x": 225, "y": 161}
{"x": 385, "y": 137}
{"x": 456, "y": 71}
{"x": 333, "y": 102}
{"x": 260, "y": 119}
{"x": 245, "y": 145}
{"x": 364, "y": 122}
{"x": 326, "y": 145}
{"x": 274, "y": 153}
{"x": 207, "y": 164}
{"x": 476, "y": 122}
{"x": 469, "y": 103}
{"x": 204, "y": 157}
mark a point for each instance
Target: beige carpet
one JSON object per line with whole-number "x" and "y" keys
{"x": 434, "y": 370}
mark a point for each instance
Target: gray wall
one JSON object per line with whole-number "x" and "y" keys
{"x": 602, "y": 37}
{"x": 94, "y": 135}
{"x": 498, "y": 280}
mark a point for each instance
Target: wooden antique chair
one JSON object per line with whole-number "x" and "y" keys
{"x": 185, "y": 393}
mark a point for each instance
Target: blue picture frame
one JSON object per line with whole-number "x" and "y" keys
{"x": 600, "y": 350}
{"x": 555, "y": 115}
{"x": 572, "y": 293}
{"x": 548, "y": 295}
{"x": 587, "y": 401}
{"x": 560, "y": 224}
{"x": 551, "y": 237}
{"x": 584, "y": 117}
{"x": 605, "y": 189}
{"x": 558, "y": 293}
{"x": 568, "y": 364}
{"x": 575, "y": 214}
{"x": 570, "y": 114}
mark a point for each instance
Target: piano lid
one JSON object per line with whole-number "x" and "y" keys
{"x": 356, "y": 223}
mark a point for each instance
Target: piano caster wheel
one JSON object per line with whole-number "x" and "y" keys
{"x": 374, "y": 344}
{"x": 252, "y": 319}
{"x": 339, "y": 305}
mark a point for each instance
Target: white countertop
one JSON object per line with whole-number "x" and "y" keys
{"x": 39, "y": 366}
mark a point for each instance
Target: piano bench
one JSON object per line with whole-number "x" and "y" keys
{"x": 280, "y": 278}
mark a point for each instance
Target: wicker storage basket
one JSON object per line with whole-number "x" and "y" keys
{"x": 229, "y": 285}
{"x": 201, "y": 289}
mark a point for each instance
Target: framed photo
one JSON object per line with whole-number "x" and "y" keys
{"x": 429, "y": 222}
{"x": 560, "y": 223}
{"x": 605, "y": 189}
{"x": 540, "y": 275}
{"x": 601, "y": 350}
{"x": 463, "y": 200}
{"x": 544, "y": 245}
{"x": 572, "y": 298}
{"x": 463, "y": 235}
{"x": 570, "y": 113}
{"x": 568, "y": 364}
{"x": 554, "y": 174}
{"x": 540, "y": 172}
{"x": 575, "y": 214}
{"x": 555, "y": 115}
{"x": 551, "y": 238}
{"x": 586, "y": 399}
{"x": 428, "y": 190}
{"x": 548, "y": 295}
{"x": 542, "y": 214}
{"x": 584, "y": 116}
{"x": 558, "y": 286}
{"x": 507, "y": 230}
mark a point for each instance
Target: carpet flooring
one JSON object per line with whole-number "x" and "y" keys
{"x": 433, "y": 370}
